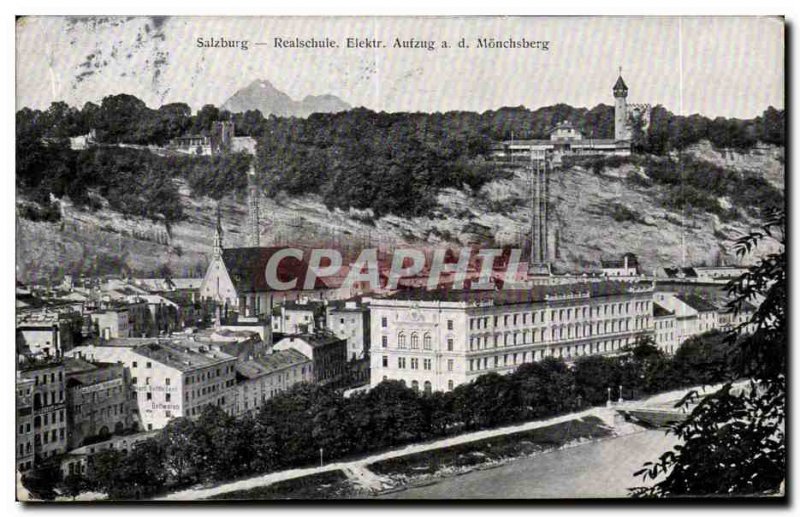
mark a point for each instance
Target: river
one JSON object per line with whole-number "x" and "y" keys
{"x": 598, "y": 469}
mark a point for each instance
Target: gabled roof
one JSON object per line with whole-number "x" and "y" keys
{"x": 660, "y": 311}
{"x": 533, "y": 294}
{"x": 318, "y": 339}
{"x": 697, "y": 303}
{"x": 247, "y": 269}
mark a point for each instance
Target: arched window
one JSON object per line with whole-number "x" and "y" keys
{"x": 415, "y": 385}
{"x": 401, "y": 340}
{"x": 450, "y": 385}
{"x": 414, "y": 341}
{"x": 428, "y": 387}
{"x": 426, "y": 341}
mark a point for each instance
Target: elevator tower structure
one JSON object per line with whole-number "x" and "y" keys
{"x": 540, "y": 195}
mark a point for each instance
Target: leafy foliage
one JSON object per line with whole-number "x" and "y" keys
{"x": 734, "y": 443}
{"x": 392, "y": 163}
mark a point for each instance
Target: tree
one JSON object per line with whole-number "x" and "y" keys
{"x": 183, "y": 452}
{"x": 73, "y": 485}
{"x": 733, "y": 442}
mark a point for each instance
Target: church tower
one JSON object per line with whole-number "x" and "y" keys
{"x": 621, "y": 109}
{"x": 217, "y": 252}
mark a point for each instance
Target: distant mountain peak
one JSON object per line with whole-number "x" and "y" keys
{"x": 263, "y": 96}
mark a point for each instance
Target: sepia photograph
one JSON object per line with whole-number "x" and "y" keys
{"x": 384, "y": 258}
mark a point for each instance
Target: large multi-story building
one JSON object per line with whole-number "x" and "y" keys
{"x": 170, "y": 377}
{"x": 436, "y": 340}
{"x": 263, "y": 377}
{"x": 24, "y": 424}
{"x": 48, "y": 332}
{"x": 664, "y": 323}
{"x": 327, "y": 352}
{"x": 49, "y": 406}
{"x": 350, "y": 320}
{"x": 98, "y": 401}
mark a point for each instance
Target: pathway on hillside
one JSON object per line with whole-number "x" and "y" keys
{"x": 356, "y": 469}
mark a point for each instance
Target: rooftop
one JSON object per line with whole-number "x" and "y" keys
{"x": 660, "y": 311}
{"x": 246, "y": 267}
{"x": 264, "y": 365}
{"x": 697, "y": 302}
{"x": 187, "y": 357}
{"x": 315, "y": 340}
{"x": 534, "y": 294}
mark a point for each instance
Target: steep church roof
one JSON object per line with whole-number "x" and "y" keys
{"x": 247, "y": 269}
{"x": 620, "y": 84}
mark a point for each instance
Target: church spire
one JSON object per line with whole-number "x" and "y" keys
{"x": 218, "y": 234}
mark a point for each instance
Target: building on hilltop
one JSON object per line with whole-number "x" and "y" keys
{"x": 564, "y": 139}
{"x": 221, "y": 139}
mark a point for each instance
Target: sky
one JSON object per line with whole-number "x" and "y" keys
{"x": 715, "y": 66}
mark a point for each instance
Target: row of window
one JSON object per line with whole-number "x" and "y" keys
{"x": 47, "y": 419}
{"x": 498, "y": 361}
{"x": 427, "y": 385}
{"x": 385, "y": 323}
{"x": 47, "y": 398}
{"x": 104, "y": 411}
{"x": 427, "y": 342}
{"x": 43, "y": 379}
{"x": 566, "y": 314}
{"x": 413, "y": 362}
{"x": 543, "y": 335}
{"x": 53, "y": 436}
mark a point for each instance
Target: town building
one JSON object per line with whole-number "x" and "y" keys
{"x": 327, "y": 352}
{"x": 694, "y": 315}
{"x": 706, "y": 311}
{"x": 24, "y": 424}
{"x": 626, "y": 267}
{"x": 299, "y": 317}
{"x": 436, "y": 340}
{"x": 264, "y": 376}
{"x": 98, "y": 401}
{"x": 664, "y": 328}
{"x": 111, "y": 323}
{"x": 49, "y": 406}
{"x": 170, "y": 377}
{"x": 47, "y": 331}
{"x": 702, "y": 274}
{"x": 350, "y": 320}
{"x": 77, "y": 460}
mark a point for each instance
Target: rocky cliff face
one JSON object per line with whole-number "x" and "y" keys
{"x": 595, "y": 217}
